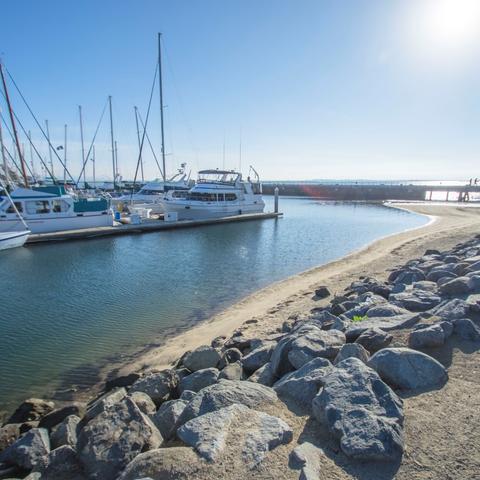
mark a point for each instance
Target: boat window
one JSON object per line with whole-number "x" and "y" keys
{"x": 230, "y": 197}
{"x": 59, "y": 206}
{"x": 19, "y": 206}
{"x": 221, "y": 197}
{"x": 38, "y": 207}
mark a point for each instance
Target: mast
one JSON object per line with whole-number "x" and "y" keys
{"x": 161, "y": 103}
{"x": 116, "y": 159}
{"x": 111, "y": 138}
{"x": 83, "y": 147}
{"x": 14, "y": 128}
{"x": 93, "y": 161}
{"x": 139, "y": 143}
{"x": 4, "y": 157}
{"x": 65, "y": 155}
{"x": 49, "y": 150}
{"x": 31, "y": 152}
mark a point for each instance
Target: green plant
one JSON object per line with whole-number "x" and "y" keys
{"x": 359, "y": 318}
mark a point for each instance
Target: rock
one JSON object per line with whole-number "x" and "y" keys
{"x": 226, "y": 393}
{"x": 231, "y": 355}
{"x": 159, "y": 386}
{"x": 202, "y": 357}
{"x": 407, "y": 276}
{"x": 218, "y": 342}
{"x": 408, "y": 369}
{"x": 427, "y": 337}
{"x": 415, "y": 300}
{"x": 29, "y": 450}
{"x": 144, "y": 403}
{"x": 447, "y": 328}
{"x": 341, "y": 324}
{"x": 431, "y": 251}
{"x": 361, "y": 411}
{"x": 122, "y": 381}
{"x": 176, "y": 463}
{"x": 65, "y": 433}
{"x": 166, "y": 418}
{"x": 199, "y": 379}
{"x": 31, "y": 409}
{"x": 386, "y": 324}
{"x": 263, "y": 375}
{"x": 232, "y": 371}
{"x": 303, "y": 384}
{"x": 254, "y": 433}
{"x": 322, "y": 292}
{"x": 374, "y": 339}
{"x": 466, "y": 329}
{"x": 352, "y": 350}
{"x": 61, "y": 464}
{"x": 385, "y": 310}
{"x": 187, "y": 395}
{"x": 57, "y": 416}
{"x": 313, "y": 344}
{"x": 425, "y": 285}
{"x": 104, "y": 401}
{"x": 457, "y": 286}
{"x": 115, "y": 437}
{"x": 258, "y": 357}
{"x": 452, "y": 309}
{"x": 9, "y": 433}
{"x": 435, "y": 275}
{"x": 307, "y": 457}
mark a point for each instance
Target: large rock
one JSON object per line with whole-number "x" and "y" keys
{"x": 303, "y": 384}
{"x": 65, "y": 433}
{"x": 427, "y": 337}
{"x": 374, "y": 339}
{"x": 258, "y": 358}
{"x": 435, "y": 275}
{"x": 408, "y": 369}
{"x": 263, "y": 375}
{"x": 9, "y": 433}
{"x": 253, "y": 433}
{"x": 415, "y": 300}
{"x": 159, "y": 386}
{"x": 144, "y": 402}
{"x": 224, "y": 394}
{"x": 466, "y": 329}
{"x": 230, "y": 355}
{"x": 199, "y": 379}
{"x": 31, "y": 410}
{"x": 106, "y": 400}
{"x": 406, "y": 276}
{"x": 385, "y": 310}
{"x": 452, "y": 309}
{"x": 113, "y": 438}
{"x": 352, "y": 350}
{"x": 56, "y": 416}
{"x": 166, "y": 419}
{"x": 61, "y": 464}
{"x": 202, "y": 357}
{"x": 457, "y": 286}
{"x": 361, "y": 411}
{"x": 29, "y": 450}
{"x": 121, "y": 381}
{"x": 233, "y": 371}
{"x": 176, "y": 463}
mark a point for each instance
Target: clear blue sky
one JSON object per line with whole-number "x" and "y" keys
{"x": 315, "y": 88}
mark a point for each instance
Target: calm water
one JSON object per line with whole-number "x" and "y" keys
{"x": 69, "y": 305}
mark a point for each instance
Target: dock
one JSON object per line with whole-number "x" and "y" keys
{"x": 147, "y": 225}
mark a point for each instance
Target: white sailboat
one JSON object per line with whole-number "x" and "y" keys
{"x": 17, "y": 236}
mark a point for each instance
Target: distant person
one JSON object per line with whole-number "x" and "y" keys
{"x": 470, "y": 182}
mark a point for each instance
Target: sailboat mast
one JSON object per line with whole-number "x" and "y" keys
{"x": 4, "y": 157}
{"x": 65, "y": 155}
{"x": 161, "y": 103}
{"x": 49, "y": 149}
{"x": 14, "y": 128}
{"x": 83, "y": 147}
{"x": 111, "y": 138}
{"x": 93, "y": 161}
{"x": 139, "y": 143}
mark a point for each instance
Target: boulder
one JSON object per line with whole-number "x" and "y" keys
{"x": 415, "y": 300}
{"x": 425, "y": 285}
{"x": 408, "y": 369}
{"x": 233, "y": 371}
{"x": 202, "y": 357}
{"x": 159, "y": 386}
{"x": 187, "y": 395}
{"x": 29, "y": 450}
{"x": 307, "y": 457}
{"x": 218, "y": 342}
{"x": 226, "y": 393}
{"x": 385, "y": 310}
{"x": 452, "y": 309}
{"x": 65, "y": 433}
{"x": 435, "y": 275}
{"x": 427, "y": 337}
{"x": 231, "y": 355}
{"x": 302, "y": 385}
{"x": 30, "y": 410}
{"x": 9, "y": 433}
{"x": 104, "y": 401}
{"x": 199, "y": 379}
{"x": 121, "y": 381}
{"x": 258, "y": 358}
{"x": 166, "y": 418}
{"x": 56, "y": 416}
{"x": 144, "y": 403}
{"x": 115, "y": 437}
{"x": 466, "y": 329}
{"x": 61, "y": 464}
{"x": 407, "y": 276}
{"x": 322, "y": 292}
{"x": 457, "y": 286}
{"x": 341, "y": 324}
{"x": 263, "y": 375}
{"x": 352, "y": 350}
{"x": 374, "y": 339}
{"x": 253, "y": 433}
{"x": 176, "y": 463}
{"x": 361, "y": 411}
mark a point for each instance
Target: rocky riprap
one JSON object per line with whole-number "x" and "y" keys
{"x": 344, "y": 367}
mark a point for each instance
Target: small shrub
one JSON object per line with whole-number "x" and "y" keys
{"x": 359, "y": 318}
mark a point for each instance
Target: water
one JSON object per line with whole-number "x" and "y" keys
{"x": 67, "y": 306}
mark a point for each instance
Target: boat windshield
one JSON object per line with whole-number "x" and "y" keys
{"x": 221, "y": 177}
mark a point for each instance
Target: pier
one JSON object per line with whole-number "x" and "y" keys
{"x": 147, "y": 225}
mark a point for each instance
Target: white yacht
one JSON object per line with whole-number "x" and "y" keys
{"x": 51, "y": 209}
{"x": 217, "y": 193}
{"x": 151, "y": 194}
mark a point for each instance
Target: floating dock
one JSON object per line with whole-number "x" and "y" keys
{"x": 147, "y": 225}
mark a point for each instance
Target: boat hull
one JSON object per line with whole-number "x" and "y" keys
{"x": 191, "y": 211}
{"x": 13, "y": 239}
{"x": 155, "y": 206}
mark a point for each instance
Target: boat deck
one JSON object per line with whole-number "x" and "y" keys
{"x": 148, "y": 225}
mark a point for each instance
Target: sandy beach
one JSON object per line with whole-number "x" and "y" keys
{"x": 264, "y": 312}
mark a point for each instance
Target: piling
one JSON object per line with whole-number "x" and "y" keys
{"x": 275, "y": 192}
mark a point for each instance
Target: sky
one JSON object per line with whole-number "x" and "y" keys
{"x": 300, "y": 89}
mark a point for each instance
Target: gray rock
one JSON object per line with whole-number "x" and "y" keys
{"x": 233, "y": 371}
{"x": 31, "y": 410}
{"x": 457, "y": 286}
{"x": 202, "y": 357}
{"x": 258, "y": 358}
{"x": 175, "y": 463}
{"x": 466, "y": 329}
{"x": 158, "y": 386}
{"x": 374, "y": 339}
{"x": 199, "y": 379}
{"x": 231, "y": 355}
{"x": 341, "y": 324}
{"x": 386, "y": 324}
{"x": 352, "y": 350}
{"x": 322, "y": 292}
{"x": 361, "y": 411}
{"x": 166, "y": 418}
{"x": 106, "y": 400}
{"x": 115, "y": 437}
{"x": 447, "y": 328}
{"x": 9, "y": 433}
{"x": 121, "y": 381}
{"x": 187, "y": 395}
{"x": 254, "y": 433}
{"x": 452, "y": 309}
{"x": 56, "y": 416}
{"x": 408, "y": 276}
{"x": 29, "y": 450}
{"x": 427, "y": 337}
{"x": 144, "y": 402}
{"x": 303, "y": 384}
{"x": 65, "y": 433}
{"x": 385, "y": 310}
{"x": 435, "y": 275}
{"x": 408, "y": 369}
{"x": 425, "y": 285}
{"x": 218, "y": 342}
{"x": 226, "y": 393}
{"x": 60, "y": 464}
{"x": 263, "y": 375}
{"x": 415, "y": 300}
{"x": 307, "y": 457}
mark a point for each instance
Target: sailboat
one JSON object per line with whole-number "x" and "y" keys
{"x": 13, "y": 238}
